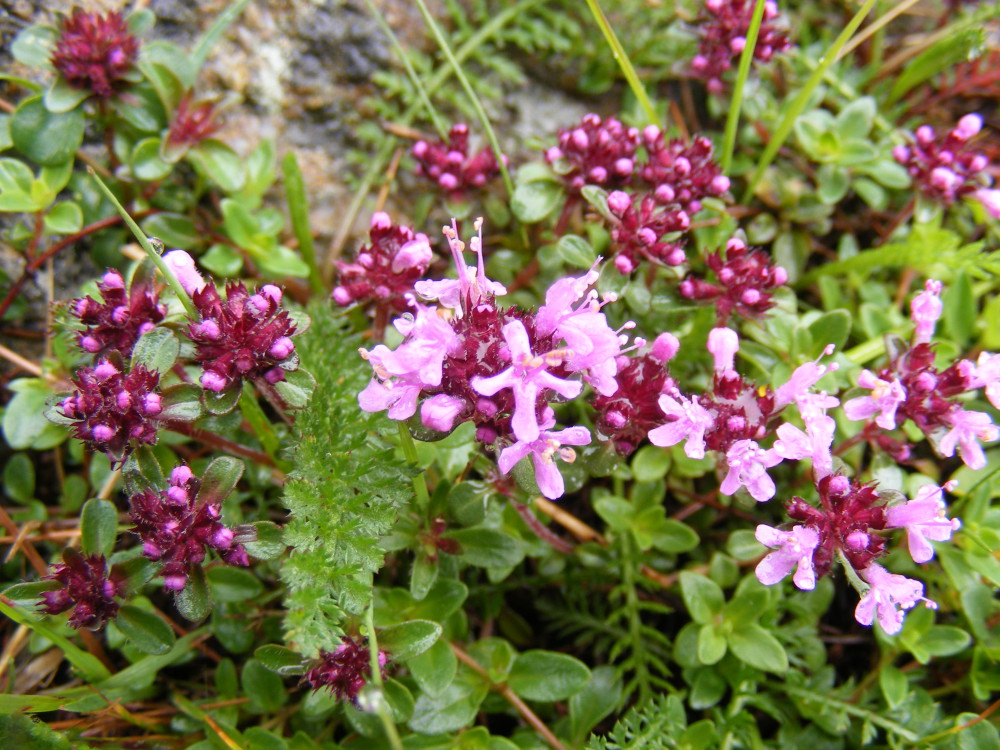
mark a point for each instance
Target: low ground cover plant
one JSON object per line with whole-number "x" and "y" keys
{"x": 670, "y": 427}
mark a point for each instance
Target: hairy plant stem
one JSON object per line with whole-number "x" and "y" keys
{"x": 215, "y": 441}
{"x": 628, "y": 560}
{"x": 736, "y": 101}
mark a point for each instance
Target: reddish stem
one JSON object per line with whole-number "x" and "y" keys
{"x": 541, "y": 530}
{"x": 215, "y": 441}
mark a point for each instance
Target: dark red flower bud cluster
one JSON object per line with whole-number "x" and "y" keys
{"x": 627, "y": 416}
{"x": 640, "y": 231}
{"x": 595, "y": 152}
{"x": 746, "y": 282}
{"x": 945, "y": 168}
{"x": 193, "y": 122}
{"x": 116, "y": 322}
{"x": 95, "y": 51}
{"x": 114, "y": 411}
{"x": 384, "y": 270}
{"x": 724, "y": 30}
{"x": 345, "y": 670}
{"x": 245, "y": 336}
{"x": 849, "y": 518}
{"x": 87, "y": 587}
{"x": 449, "y": 165}
{"x": 740, "y": 411}
{"x": 681, "y": 175}
{"x": 177, "y": 527}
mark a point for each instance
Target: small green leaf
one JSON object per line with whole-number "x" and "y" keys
{"x": 157, "y": 349}
{"x": 145, "y": 630}
{"x": 576, "y": 251}
{"x": 146, "y": 162}
{"x": 98, "y": 527}
{"x": 594, "y": 702}
{"x": 832, "y": 184}
{"x": 296, "y": 389}
{"x": 547, "y": 676}
{"x": 19, "y": 478}
{"x": 960, "y": 308}
{"x": 181, "y": 402}
{"x": 219, "y": 479}
{"x": 268, "y": 543}
{"x": 487, "y": 548}
{"x": 758, "y": 648}
{"x": 140, "y": 21}
{"x": 222, "y": 402}
{"x": 229, "y": 584}
{"x": 281, "y": 660}
{"x": 857, "y": 118}
{"x": 533, "y": 201}
{"x": 702, "y": 597}
{"x": 615, "y": 512}
{"x": 673, "y": 536}
{"x": 64, "y": 217}
{"x": 598, "y": 198}
{"x": 650, "y": 463}
{"x": 434, "y": 669}
{"x": 220, "y": 164}
{"x": 222, "y": 260}
{"x": 33, "y": 46}
{"x": 61, "y": 97}
{"x": 894, "y": 685}
{"x": 830, "y": 328}
{"x": 47, "y": 138}
{"x": 24, "y": 421}
{"x": 711, "y": 644}
{"x": 454, "y": 708}
{"x": 743, "y": 545}
{"x": 193, "y": 601}
{"x": 28, "y": 594}
{"x": 263, "y": 687}
{"x": 174, "y": 230}
{"x": 408, "y": 639}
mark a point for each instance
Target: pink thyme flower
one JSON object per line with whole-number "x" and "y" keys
{"x": 95, "y": 52}
{"x": 528, "y": 377}
{"x": 681, "y": 174}
{"x": 116, "y": 322}
{"x": 87, "y": 587}
{"x": 924, "y": 518}
{"x": 440, "y": 412}
{"x": 967, "y": 429}
{"x": 945, "y": 168}
{"x": 990, "y": 200}
{"x": 114, "y": 411}
{"x": 792, "y": 549}
{"x": 690, "y": 422}
{"x": 986, "y": 374}
{"x": 724, "y": 30}
{"x": 889, "y": 596}
{"x": 179, "y": 524}
{"x": 345, "y": 670}
{"x": 472, "y": 286}
{"x": 449, "y": 165}
{"x": 925, "y": 310}
{"x": 183, "y": 267}
{"x": 803, "y": 378}
{"x": 595, "y": 152}
{"x": 244, "y": 337}
{"x": 385, "y": 270}
{"x": 543, "y": 451}
{"x": 723, "y": 343}
{"x": 640, "y": 232}
{"x": 886, "y": 397}
{"x": 814, "y": 443}
{"x": 748, "y": 464}
{"x": 747, "y": 281}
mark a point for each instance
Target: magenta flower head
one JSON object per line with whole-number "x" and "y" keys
{"x": 244, "y": 337}
{"x": 345, "y": 670}
{"x": 681, "y": 175}
{"x": 114, "y": 411}
{"x": 746, "y": 281}
{"x": 385, "y": 270}
{"x": 792, "y": 549}
{"x": 724, "y": 29}
{"x": 88, "y": 588}
{"x": 595, "y": 152}
{"x": 193, "y": 122}
{"x": 543, "y": 451}
{"x": 945, "y": 168}
{"x": 178, "y": 525}
{"x": 116, "y": 322}
{"x": 925, "y": 310}
{"x": 888, "y": 598}
{"x": 924, "y": 519}
{"x": 95, "y": 52}
{"x": 885, "y": 398}
{"x": 449, "y": 165}
{"x": 640, "y": 232}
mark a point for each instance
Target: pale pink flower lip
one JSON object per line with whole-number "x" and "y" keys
{"x": 885, "y": 398}
{"x": 794, "y": 549}
{"x": 691, "y": 421}
{"x": 543, "y": 452}
{"x": 748, "y": 464}
{"x": 888, "y": 598}
{"x": 924, "y": 519}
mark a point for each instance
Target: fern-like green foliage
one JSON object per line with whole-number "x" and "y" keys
{"x": 343, "y": 495}
{"x": 656, "y": 725}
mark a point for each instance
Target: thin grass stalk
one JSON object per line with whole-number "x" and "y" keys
{"x": 622, "y": 58}
{"x": 875, "y": 27}
{"x": 477, "y": 105}
{"x": 432, "y": 113}
{"x": 381, "y": 707}
{"x": 298, "y": 212}
{"x": 798, "y": 104}
{"x": 736, "y": 102}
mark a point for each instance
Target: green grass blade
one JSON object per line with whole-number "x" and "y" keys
{"x": 298, "y": 211}
{"x": 628, "y": 70}
{"x": 746, "y": 58}
{"x": 798, "y": 104}
{"x": 209, "y": 39}
{"x": 484, "y": 120}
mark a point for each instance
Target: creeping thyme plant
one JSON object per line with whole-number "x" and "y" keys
{"x": 662, "y": 414}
